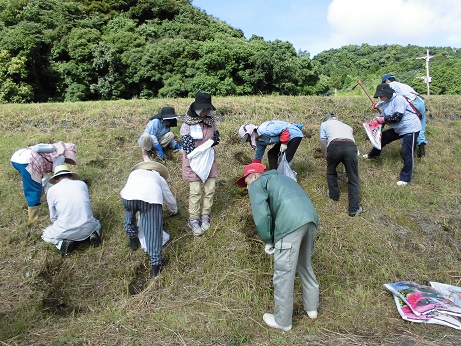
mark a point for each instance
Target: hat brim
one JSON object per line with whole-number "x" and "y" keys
{"x": 241, "y": 181}
{"x": 379, "y": 94}
{"x": 203, "y": 106}
{"x": 244, "y": 138}
{"x": 170, "y": 116}
{"x": 154, "y": 166}
{"x": 53, "y": 178}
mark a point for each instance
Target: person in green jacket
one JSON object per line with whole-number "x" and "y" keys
{"x": 286, "y": 221}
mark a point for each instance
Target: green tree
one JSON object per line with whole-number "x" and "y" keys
{"x": 13, "y": 89}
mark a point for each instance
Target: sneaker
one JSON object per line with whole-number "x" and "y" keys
{"x": 66, "y": 247}
{"x": 95, "y": 239}
{"x": 194, "y": 225}
{"x": 402, "y": 183}
{"x": 134, "y": 243}
{"x": 357, "y": 212}
{"x": 329, "y": 196}
{"x": 155, "y": 270}
{"x": 312, "y": 314}
{"x": 205, "y": 222}
{"x": 270, "y": 321}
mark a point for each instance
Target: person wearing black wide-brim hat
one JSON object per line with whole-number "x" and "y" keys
{"x": 157, "y": 136}
{"x": 199, "y": 126}
{"x": 404, "y": 124}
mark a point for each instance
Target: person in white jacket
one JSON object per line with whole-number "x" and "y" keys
{"x": 70, "y": 211}
{"x": 145, "y": 192}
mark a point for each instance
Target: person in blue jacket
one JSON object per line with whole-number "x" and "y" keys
{"x": 284, "y": 136}
{"x": 158, "y": 136}
{"x": 286, "y": 221}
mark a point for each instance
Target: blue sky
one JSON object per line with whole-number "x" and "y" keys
{"x": 318, "y": 25}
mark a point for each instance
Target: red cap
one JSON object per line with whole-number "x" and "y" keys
{"x": 251, "y": 168}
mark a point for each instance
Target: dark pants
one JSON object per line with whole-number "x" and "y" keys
{"x": 407, "y": 152}
{"x": 346, "y": 153}
{"x": 273, "y": 154}
{"x": 151, "y": 221}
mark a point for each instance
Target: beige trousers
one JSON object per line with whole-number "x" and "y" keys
{"x": 195, "y": 198}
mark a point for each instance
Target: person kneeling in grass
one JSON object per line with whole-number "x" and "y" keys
{"x": 70, "y": 211}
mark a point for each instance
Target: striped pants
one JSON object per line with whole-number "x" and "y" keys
{"x": 151, "y": 221}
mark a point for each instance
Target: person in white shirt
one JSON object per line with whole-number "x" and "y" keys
{"x": 145, "y": 192}
{"x": 70, "y": 211}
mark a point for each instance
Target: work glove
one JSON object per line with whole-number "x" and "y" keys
{"x": 269, "y": 249}
{"x": 283, "y": 147}
{"x": 256, "y": 161}
{"x": 375, "y": 106}
{"x": 159, "y": 149}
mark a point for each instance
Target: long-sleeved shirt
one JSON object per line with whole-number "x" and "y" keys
{"x": 70, "y": 209}
{"x": 272, "y": 131}
{"x": 156, "y": 128}
{"x": 409, "y": 123}
{"x": 149, "y": 186}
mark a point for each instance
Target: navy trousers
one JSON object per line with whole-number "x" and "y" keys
{"x": 407, "y": 152}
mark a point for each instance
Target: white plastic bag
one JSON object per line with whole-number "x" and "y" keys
{"x": 142, "y": 237}
{"x": 285, "y": 169}
{"x": 201, "y": 159}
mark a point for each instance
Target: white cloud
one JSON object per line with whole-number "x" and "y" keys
{"x": 419, "y": 22}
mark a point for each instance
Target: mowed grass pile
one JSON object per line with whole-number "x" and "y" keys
{"x": 215, "y": 288}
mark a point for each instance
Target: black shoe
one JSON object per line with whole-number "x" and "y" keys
{"x": 329, "y": 196}
{"x": 134, "y": 243}
{"x": 155, "y": 270}
{"x": 357, "y": 212}
{"x": 95, "y": 240}
{"x": 422, "y": 149}
{"x": 66, "y": 247}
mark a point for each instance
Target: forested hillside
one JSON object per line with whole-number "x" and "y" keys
{"x": 63, "y": 50}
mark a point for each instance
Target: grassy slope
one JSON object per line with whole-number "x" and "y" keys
{"x": 215, "y": 288}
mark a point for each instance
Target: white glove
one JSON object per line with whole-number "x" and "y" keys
{"x": 269, "y": 249}
{"x": 283, "y": 147}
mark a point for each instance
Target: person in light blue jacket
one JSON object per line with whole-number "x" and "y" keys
{"x": 284, "y": 136}
{"x": 404, "y": 124}
{"x": 158, "y": 136}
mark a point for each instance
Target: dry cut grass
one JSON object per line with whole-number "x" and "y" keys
{"x": 216, "y": 287}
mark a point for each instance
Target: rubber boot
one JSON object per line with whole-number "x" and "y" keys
{"x": 34, "y": 214}
{"x": 422, "y": 150}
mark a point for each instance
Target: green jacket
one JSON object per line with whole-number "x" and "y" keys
{"x": 279, "y": 205}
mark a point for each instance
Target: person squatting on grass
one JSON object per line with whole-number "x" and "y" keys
{"x": 286, "y": 221}
{"x": 145, "y": 192}
{"x": 36, "y": 161}
{"x": 404, "y": 124}
{"x": 283, "y": 135}
{"x": 70, "y": 211}
{"x": 417, "y": 101}
{"x": 158, "y": 136}
{"x": 199, "y": 126}
{"x": 338, "y": 146}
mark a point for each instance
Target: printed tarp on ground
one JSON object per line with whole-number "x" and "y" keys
{"x": 425, "y": 304}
